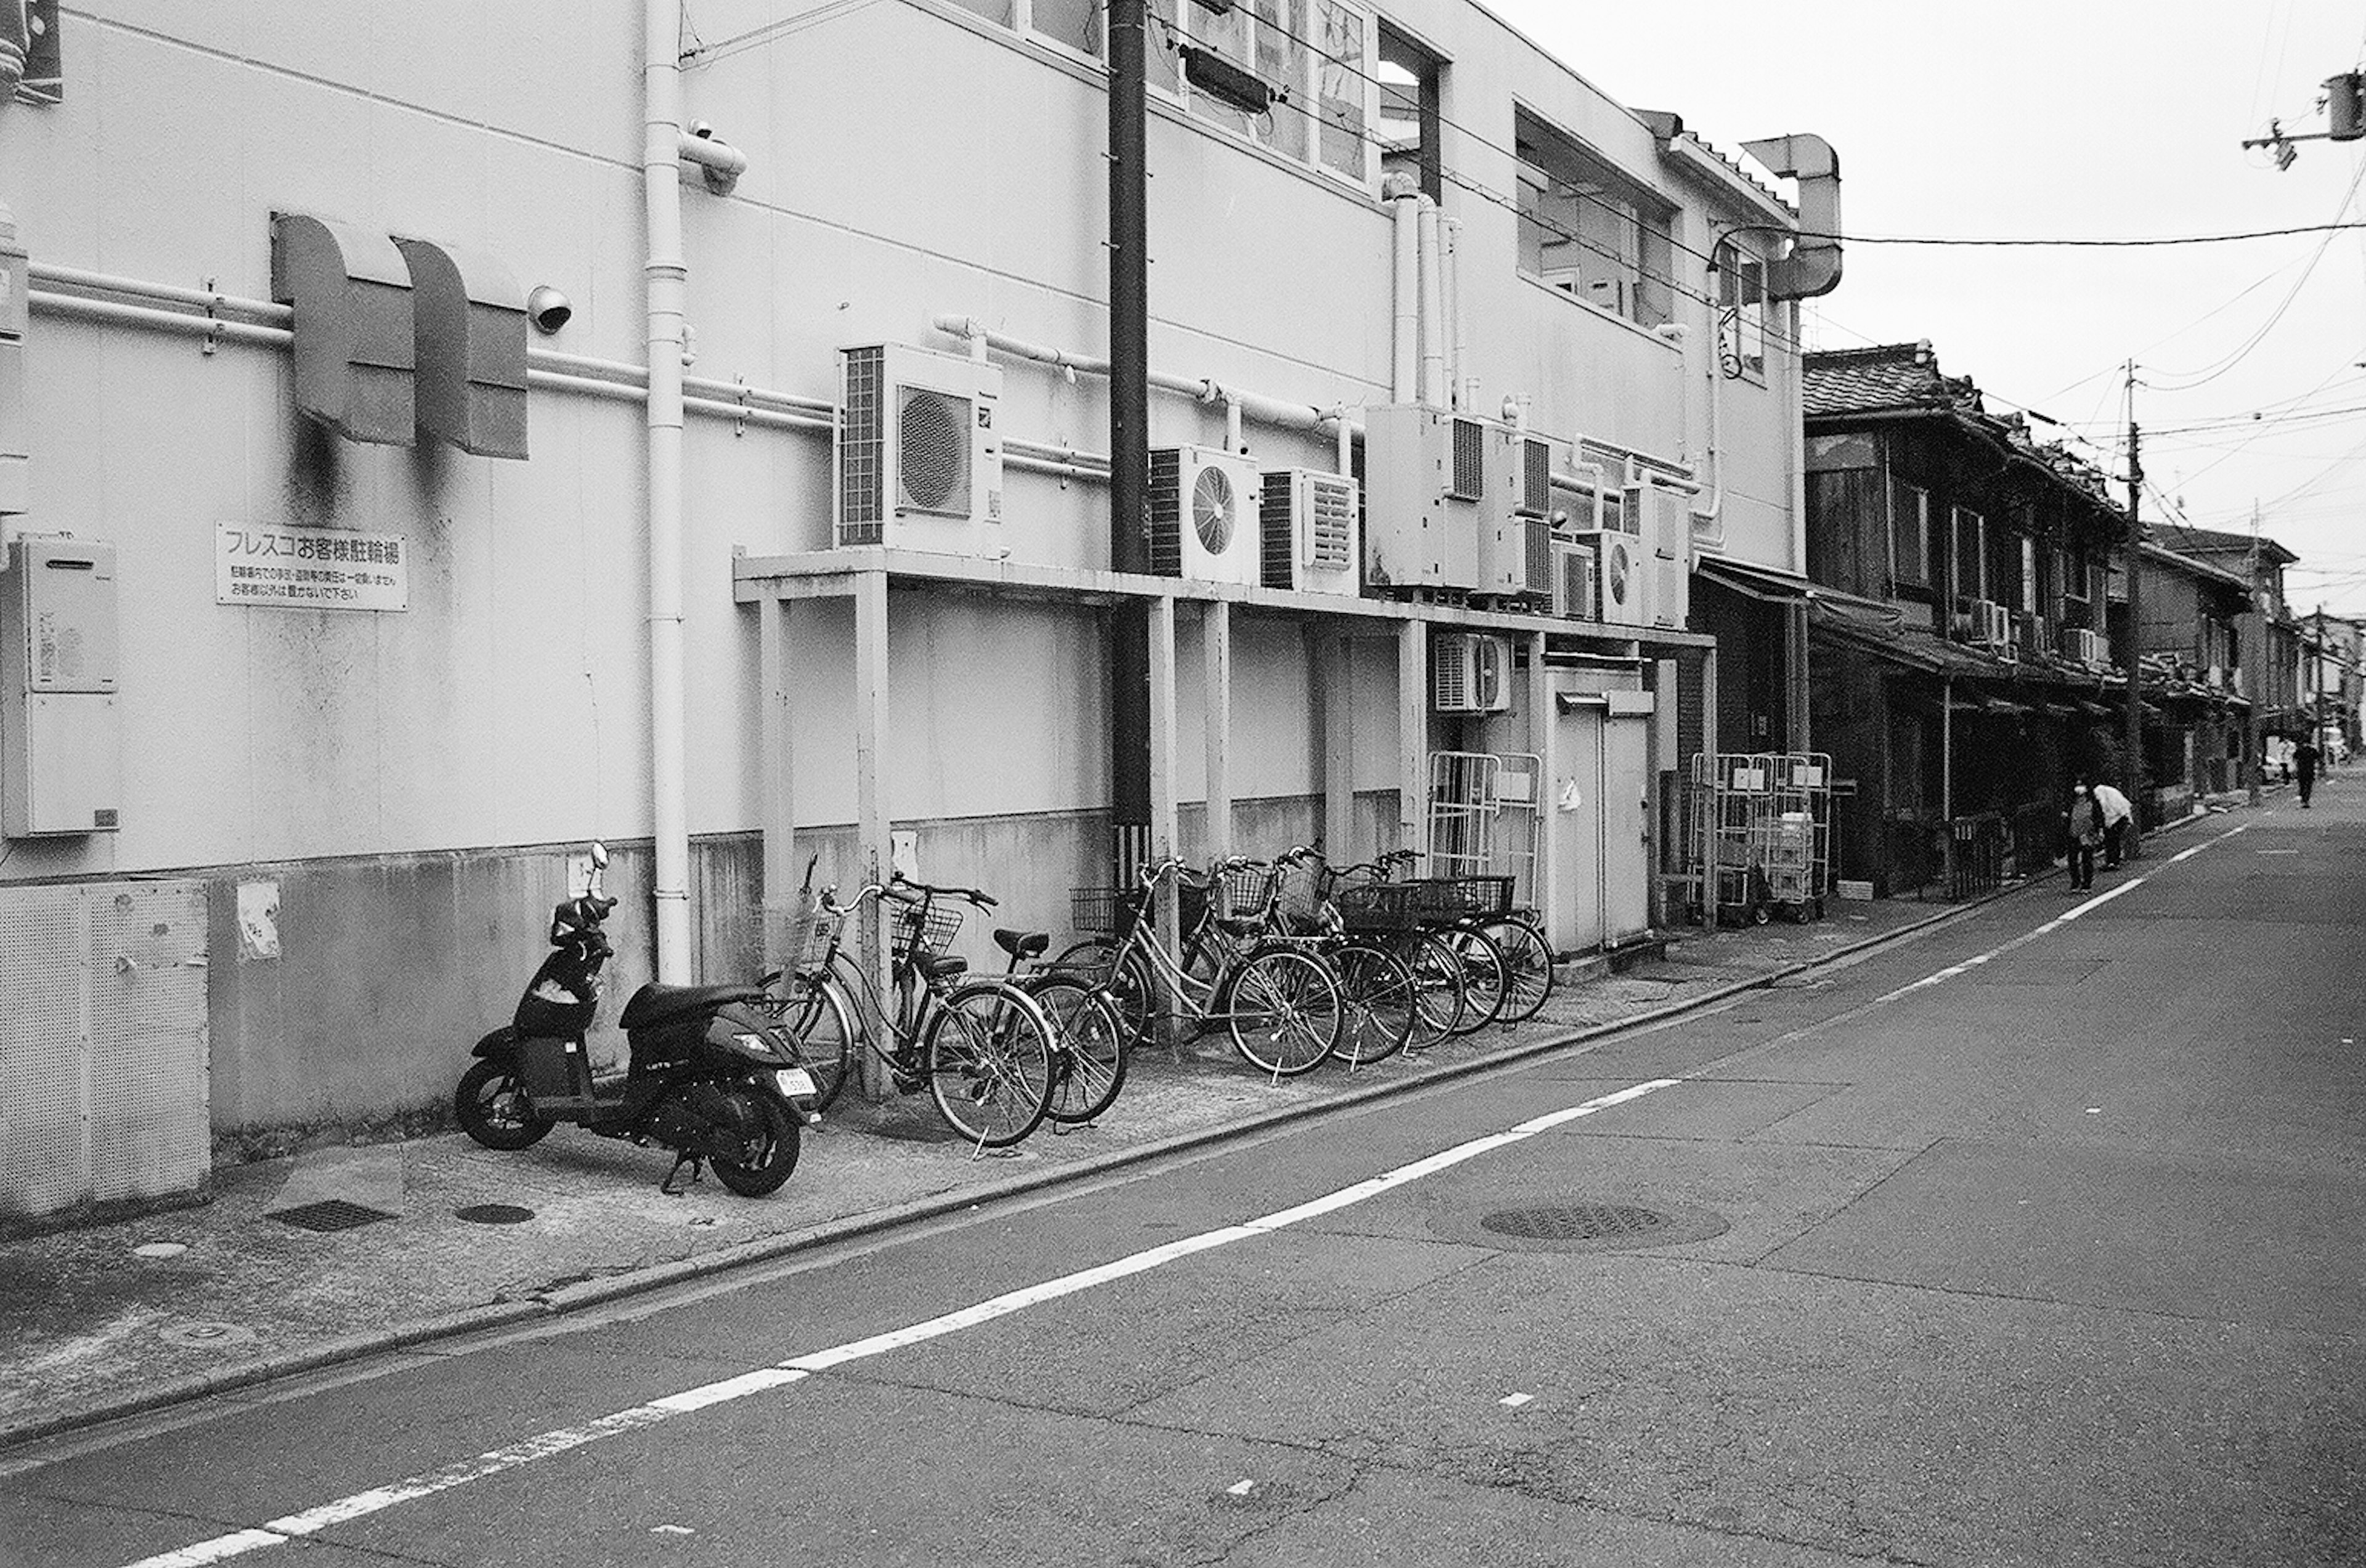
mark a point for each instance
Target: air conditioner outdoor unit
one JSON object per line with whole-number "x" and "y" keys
{"x": 917, "y": 463}
{"x": 1470, "y": 673}
{"x": 1574, "y": 592}
{"x": 1993, "y": 625}
{"x": 1424, "y": 490}
{"x": 2215, "y": 680}
{"x": 1626, "y": 575}
{"x": 1308, "y": 531}
{"x": 1667, "y": 533}
{"x": 2081, "y": 646}
{"x": 1201, "y": 502}
{"x": 1514, "y": 541}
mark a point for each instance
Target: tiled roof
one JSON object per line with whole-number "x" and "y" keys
{"x": 2190, "y": 541}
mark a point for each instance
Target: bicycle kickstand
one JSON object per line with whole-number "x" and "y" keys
{"x": 697, "y": 1174}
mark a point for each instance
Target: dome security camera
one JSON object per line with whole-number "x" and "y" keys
{"x": 547, "y": 309}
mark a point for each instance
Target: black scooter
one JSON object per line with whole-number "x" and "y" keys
{"x": 710, "y": 1075}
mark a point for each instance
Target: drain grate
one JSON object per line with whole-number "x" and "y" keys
{"x": 915, "y": 1132}
{"x": 1575, "y": 1222}
{"x": 494, "y": 1215}
{"x": 330, "y": 1214}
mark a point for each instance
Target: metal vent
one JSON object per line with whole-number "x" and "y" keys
{"x": 1275, "y": 549}
{"x": 331, "y": 1214}
{"x": 1163, "y": 527}
{"x": 1211, "y": 510}
{"x": 932, "y": 451}
{"x": 1539, "y": 554}
{"x": 862, "y": 450}
{"x": 1449, "y": 660}
{"x": 1536, "y": 477}
{"x": 1468, "y": 479}
{"x": 1330, "y": 524}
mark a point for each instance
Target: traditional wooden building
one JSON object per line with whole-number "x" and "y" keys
{"x": 1961, "y": 672}
{"x": 2197, "y": 718}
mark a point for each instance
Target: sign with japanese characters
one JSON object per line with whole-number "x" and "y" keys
{"x": 309, "y": 569}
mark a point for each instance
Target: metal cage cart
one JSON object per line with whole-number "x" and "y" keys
{"x": 1732, "y": 792}
{"x": 1795, "y": 834}
{"x": 1486, "y": 818}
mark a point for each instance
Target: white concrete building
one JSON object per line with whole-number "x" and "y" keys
{"x": 659, "y": 638}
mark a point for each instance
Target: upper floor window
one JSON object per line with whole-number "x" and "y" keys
{"x": 1408, "y": 114}
{"x": 1591, "y": 231}
{"x": 1970, "y": 531}
{"x": 1741, "y": 312}
{"x": 1316, "y": 56}
{"x": 1910, "y": 536}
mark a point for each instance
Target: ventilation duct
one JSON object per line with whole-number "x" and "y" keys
{"x": 1813, "y": 267}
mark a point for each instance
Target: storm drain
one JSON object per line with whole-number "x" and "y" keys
{"x": 330, "y": 1214}
{"x": 1575, "y": 1222}
{"x": 494, "y": 1215}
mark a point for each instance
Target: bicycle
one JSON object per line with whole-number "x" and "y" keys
{"x": 1282, "y": 1009}
{"x": 1088, "y": 1066}
{"x": 1457, "y": 912}
{"x": 981, "y": 1044}
{"x": 1331, "y": 903}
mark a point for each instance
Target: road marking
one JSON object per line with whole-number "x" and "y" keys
{"x": 1513, "y": 1401}
{"x": 310, "y": 1521}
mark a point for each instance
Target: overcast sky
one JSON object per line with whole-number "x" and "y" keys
{"x": 2071, "y": 120}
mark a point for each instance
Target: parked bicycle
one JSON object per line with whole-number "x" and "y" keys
{"x": 1090, "y": 1046}
{"x": 981, "y": 1046}
{"x": 1281, "y": 1007}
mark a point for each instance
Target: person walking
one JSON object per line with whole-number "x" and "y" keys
{"x": 2086, "y": 823}
{"x": 2117, "y": 815}
{"x": 2305, "y": 756}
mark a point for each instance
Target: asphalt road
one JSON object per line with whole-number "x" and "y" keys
{"x": 2035, "y": 1240}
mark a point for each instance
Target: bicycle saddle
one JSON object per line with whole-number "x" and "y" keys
{"x": 1024, "y": 944}
{"x": 938, "y": 968}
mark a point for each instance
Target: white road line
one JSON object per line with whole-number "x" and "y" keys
{"x": 310, "y": 1521}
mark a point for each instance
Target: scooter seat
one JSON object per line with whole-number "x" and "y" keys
{"x": 1024, "y": 944}
{"x": 655, "y": 1003}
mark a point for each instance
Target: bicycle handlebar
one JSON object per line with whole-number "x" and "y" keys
{"x": 974, "y": 895}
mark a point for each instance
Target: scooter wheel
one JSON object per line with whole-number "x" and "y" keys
{"x": 773, "y": 1157}
{"x": 491, "y": 1107}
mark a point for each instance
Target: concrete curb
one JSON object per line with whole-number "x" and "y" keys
{"x": 599, "y": 1292}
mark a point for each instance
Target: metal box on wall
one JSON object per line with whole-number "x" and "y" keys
{"x": 60, "y": 740}
{"x": 1424, "y": 486}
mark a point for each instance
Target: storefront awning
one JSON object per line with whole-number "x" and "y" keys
{"x": 1775, "y": 585}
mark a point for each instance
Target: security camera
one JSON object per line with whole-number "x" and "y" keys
{"x": 547, "y": 309}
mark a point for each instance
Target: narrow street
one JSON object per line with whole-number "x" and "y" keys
{"x": 2031, "y": 1241}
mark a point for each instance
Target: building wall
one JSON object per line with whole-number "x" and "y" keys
{"x": 412, "y": 779}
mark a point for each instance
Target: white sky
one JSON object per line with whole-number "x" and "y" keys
{"x": 2072, "y": 119}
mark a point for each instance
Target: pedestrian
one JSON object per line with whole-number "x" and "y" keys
{"x": 2117, "y": 815}
{"x": 2304, "y": 760}
{"x": 2086, "y": 822}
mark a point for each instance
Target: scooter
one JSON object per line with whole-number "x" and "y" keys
{"x": 710, "y": 1075}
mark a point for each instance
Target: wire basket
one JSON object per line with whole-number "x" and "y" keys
{"x": 810, "y": 936}
{"x": 1102, "y": 911}
{"x": 1382, "y": 907}
{"x": 1462, "y": 897}
{"x": 1242, "y": 892}
{"x": 1306, "y": 888}
{"x": 925, "y": 930}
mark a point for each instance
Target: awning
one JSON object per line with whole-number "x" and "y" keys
{"x": 1775, "y": 585}
{"x": 1909, "y": 647}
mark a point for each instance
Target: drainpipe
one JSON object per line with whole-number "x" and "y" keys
{"x": 1407, "y": 277}
{"x": 1433, "y": 307}
{"x": 665, "y": 273}
{"x": 1455, "y": 347}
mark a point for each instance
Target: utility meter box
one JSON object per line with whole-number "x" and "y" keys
{"x": 60, "y": 724}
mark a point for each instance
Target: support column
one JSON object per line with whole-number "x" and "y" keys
{"x": 775, "y": 760}
{"x": 1338, "y": 746}
{"x": 1216, "y": 653}
{"x": 871, "y": 815}
{"x": 1413, "y": 735}
{"x": 1543, "y": 721}
{"x": 1163, "y": 825}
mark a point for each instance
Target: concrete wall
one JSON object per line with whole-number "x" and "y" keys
{"x": 411, "y": 779}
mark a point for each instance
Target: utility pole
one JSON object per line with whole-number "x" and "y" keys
{"x": 2131, "y": 729}
{"x": 2256, "y": 671}
{"x": 1129, "y": 312}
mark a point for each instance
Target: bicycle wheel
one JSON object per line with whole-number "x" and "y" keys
{"x": 1527, "y": 969}
{"x": 821, "y": 1025}
{"x": 1439, "y": 990}
{"x": 1090, "y": 958}
{"x": 1377, "y": 989}
{"x": 1284, "y": 1011}
{"x": 1482, "y": 965}
{"x": 1089, "y": 1061}
{"x": 988, "y": 1056}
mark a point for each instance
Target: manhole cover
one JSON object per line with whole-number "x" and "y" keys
{"x": 207, "y": 1335}
{"x": 330, "y": 1214}
{"x": 1575, "y": 1222}
{"x": 494, "y": 1215}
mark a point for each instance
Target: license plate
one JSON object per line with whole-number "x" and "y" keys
{"x": 795, "y": 1083}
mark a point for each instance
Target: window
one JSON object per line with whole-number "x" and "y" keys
{"x": 1969, "y": 530}
{"x": 1589, "y": 230}
{"x": 1313, "y": 54}
{"x": 1910, "y": 537}
{"x": 1741, "y": 312}
{"x": 1409, "y": 123}
{"x": 2029, "y": 602}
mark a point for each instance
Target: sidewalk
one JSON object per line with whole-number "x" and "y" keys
{"x": 109, "y": 1321}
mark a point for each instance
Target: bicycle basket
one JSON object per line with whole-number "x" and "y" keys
{"x": 1381, "y": 906}
{"x": 1305, "y": 886}
{"x": 1462, "y": 897}
{"x": 1100, "y": 911}
{"x": 1243, "y": 891}
{"x": 927, "y": 937}
{"x": 810, "y": 936}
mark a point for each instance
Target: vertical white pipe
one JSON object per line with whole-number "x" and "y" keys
{"x": 1455, "y": 347}
{"x": 665, "y": 273}
{"x": 1347, "y": 443}
{"x": 1433, "y": 309}
{"x": 1408, "y": 298}
{"x": 1233, "y": 445}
